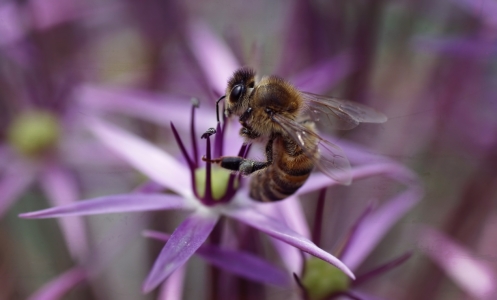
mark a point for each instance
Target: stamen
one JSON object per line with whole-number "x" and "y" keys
{"x": 193, "y": 135}
{"x": 217, "y": 107}
{"x": 182, "y": 148}
{"x": 208, "y": 197}
{"x": 218, "y": 141}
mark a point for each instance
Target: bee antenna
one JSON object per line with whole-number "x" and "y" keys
{"x": 217, "y": 106}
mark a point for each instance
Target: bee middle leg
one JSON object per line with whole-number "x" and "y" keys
{"x": 240, "y": 164}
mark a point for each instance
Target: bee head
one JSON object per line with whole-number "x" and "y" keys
{"x": 238, "y": 91}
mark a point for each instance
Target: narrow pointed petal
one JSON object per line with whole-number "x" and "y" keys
{"x": 471, "y": 274}
{"x": 60, "y": 188}
{"x": 172, "y": 289}
{"x": 16, "y": 179}
{"x": 245, "y": 265}
{"x": 152, "y": 161}
{"x": 396, "y": 172}
{"x": 184, "y": 241}
{"x": 214, "y": 56}
{"x": 290, "y": 212}
{"x": 57, "y": 288}
{"x": 240, "y": 263}
{"x": 280, "y": 231}
{"x": 375, "y": 225}
{"x": 113, "y": 204}
{"x": 320, "y": 77}
{"x": 160, "y": 109}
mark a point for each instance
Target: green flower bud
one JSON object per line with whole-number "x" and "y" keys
{"x": 322, "y": 279}
{"x": 33, "y": 133}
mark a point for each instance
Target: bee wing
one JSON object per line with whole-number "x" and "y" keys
{"x": 331, "y": 159}
{"x": 341, "y": 114}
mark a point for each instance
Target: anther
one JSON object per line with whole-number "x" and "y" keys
{"x": 208, "y": 133}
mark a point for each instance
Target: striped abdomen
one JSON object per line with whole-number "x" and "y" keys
{"x": 289, "y": 170}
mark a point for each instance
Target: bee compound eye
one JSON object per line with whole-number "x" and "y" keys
{"x": 236, "y": 93}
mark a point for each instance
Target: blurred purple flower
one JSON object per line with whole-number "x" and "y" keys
{"x": 37, "y": 120}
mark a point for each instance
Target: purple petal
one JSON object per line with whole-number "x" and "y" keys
{"x": 58, "y": 287}
{"x": 240, "y": 263}
{"x": 376, "y": 225}
{"x": 11, "y": 29}
{"x": 279, "y": 231}
{"x": 113, "y": 204}
{"x": 157, "y": 108}
{"x": 214, "y": 56}
{"x": 184, "y": 241}
{"x": 471, "y": 274}
{"x": 392, "y": 170}
{"x": 289, "y": 212}
{"x": 48, "y": 13}
{"x": 244, "y": 264}
{"x": 152, "y": 161}
{"x": 81, "y": 154}
{"x": 60, "y": 188}
{"x": 232, "y": 139}
{"x": 172, "y": 289}
{"x": 16, "y": 179}
{"x": 320, "y": 77}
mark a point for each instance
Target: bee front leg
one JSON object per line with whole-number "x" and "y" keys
{"x": 248, "y": 133}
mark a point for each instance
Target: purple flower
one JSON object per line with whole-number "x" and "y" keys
{"x": 208, "y": 194}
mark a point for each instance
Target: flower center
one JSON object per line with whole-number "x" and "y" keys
{"x": 322, "y": 279}
{"x": 219, "y": 182}
{"x": 33, "y": 133}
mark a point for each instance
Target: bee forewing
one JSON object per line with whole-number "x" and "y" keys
{"x": 348, "y": 114}
{"x": 333, "y": 162}
{"x": 362, "y": 113}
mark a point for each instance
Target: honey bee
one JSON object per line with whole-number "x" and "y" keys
{"x": 275, "y": 112}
